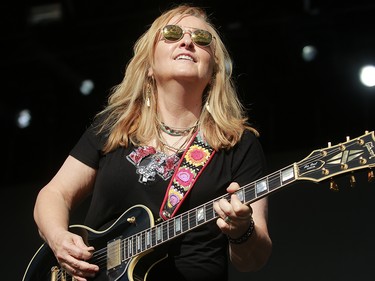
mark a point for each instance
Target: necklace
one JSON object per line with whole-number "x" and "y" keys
{"x": 174, "y": 148}
{"x": 176, "y": 131}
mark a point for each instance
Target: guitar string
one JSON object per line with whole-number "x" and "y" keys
{"x": 101, "y": 255}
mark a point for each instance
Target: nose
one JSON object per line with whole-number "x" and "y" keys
{"x": 186, "y": 39}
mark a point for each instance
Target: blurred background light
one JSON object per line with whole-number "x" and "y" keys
{"x": 367, "y": 75}
{"x": 23, "y": 118}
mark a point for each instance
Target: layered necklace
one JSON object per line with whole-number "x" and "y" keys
{"x": 185, "y": 135}
{"x": 177, "y": 131}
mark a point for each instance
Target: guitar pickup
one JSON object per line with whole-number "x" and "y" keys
{"x": 113, "y": 254}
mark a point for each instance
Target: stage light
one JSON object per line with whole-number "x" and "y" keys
{"x": 309, "y": 53}
{"x": 367, "y": 75}
{"x": 86, "y": 87}
{"x": 23, "y": 118}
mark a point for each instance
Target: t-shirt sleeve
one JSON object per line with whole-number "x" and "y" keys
{"x": 88, "y": 149}
{"x": 249, "y": 160}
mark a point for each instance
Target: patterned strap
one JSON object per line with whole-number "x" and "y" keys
{"x": 191, "y": 165}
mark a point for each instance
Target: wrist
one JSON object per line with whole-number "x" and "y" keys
{"x": 243, "y": 238}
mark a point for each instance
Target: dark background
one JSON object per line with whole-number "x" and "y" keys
{"x": 298, "y": 106}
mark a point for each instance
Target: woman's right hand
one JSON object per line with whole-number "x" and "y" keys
{"x": 73, "y": 254}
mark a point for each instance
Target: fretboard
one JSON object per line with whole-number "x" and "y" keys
{"x": 182, "y": 223}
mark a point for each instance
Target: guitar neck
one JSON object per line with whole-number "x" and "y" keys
{"x": 183, "y": 223}
{"x": 319, "y": 165}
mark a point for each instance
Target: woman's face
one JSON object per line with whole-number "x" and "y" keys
{"x": 183, "y": 60}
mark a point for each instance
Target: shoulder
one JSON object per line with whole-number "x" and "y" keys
{"x": 249, "y": 138}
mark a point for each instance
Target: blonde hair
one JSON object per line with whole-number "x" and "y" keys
{"x": 222, "y": 125}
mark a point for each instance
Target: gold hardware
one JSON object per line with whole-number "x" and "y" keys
{"x": 158, "y": 220}
{"x": 333, "y": 186}
{"x": 131, "y": 220}
{"x": 344, "y": 166}
{"x": 352, "y": 180}
{"x": 370, "y": 176}
{"x": 362, "y": 161}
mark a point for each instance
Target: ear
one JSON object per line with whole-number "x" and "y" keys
{"x": 150, "y": 72}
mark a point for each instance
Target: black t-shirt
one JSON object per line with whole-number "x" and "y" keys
{"x": 123, "y": 181}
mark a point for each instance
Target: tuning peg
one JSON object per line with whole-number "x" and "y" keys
{"x": 370, "y": 176}
{"x": 352, "y": 180}
{"x": 333, "y": 186}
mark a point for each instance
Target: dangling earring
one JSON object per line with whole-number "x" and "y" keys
{"x": 208, "y": 107}
{"x": 148, "y": 93}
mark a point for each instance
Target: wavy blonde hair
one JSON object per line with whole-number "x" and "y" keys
{"x": 126, "y": 118}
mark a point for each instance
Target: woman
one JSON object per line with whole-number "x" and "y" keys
{"x": 177, "y": 89}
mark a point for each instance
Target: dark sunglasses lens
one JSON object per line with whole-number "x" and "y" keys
{"x": 201, "y": 37}
{"x": 172, "y": 32}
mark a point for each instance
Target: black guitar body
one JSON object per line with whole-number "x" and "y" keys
{"x": 44, "y": 266}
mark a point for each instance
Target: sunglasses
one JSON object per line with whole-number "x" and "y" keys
{"x": 174, "y": 33}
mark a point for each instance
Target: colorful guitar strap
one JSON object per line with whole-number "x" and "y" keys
{"x": 191, "y": 165}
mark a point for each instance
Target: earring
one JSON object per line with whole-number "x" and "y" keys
{"x": 208, "y": 107}
{"x": 148, "y": 93}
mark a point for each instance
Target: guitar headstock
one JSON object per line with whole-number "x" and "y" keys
{"x": 349, "y": 156}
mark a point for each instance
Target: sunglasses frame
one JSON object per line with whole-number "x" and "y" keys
{"x": 190, "y": 30}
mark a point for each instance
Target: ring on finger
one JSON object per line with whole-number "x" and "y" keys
{"x": 227, "y": 219}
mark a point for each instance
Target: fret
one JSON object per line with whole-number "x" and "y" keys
{"x": 261, "y": 187}
{"x": 275, "y": 181}
{"x": 249, "y": 193}
{"x": 159, "y": 234}
{"x": 178, "y": 225}
{"x": 130, "y": 251}
{"x": 134, "y": 245}
{"x": 125, "y": 252}
{"x": 200, "y": 215}
{"x": 138, "y": 243}
{"x": 171, "y": 226}
{"x": 287, "y": 175}
{"x": 141, "y": 242}
{"x": 192, "y": 219}
{"x": 148, "y": 239}
{"x": 165, "y": 231}
{"x": 240, "y": 194}
{"x": 153, "y": 236}
{"x": 210, "y": 213}
{"x": 185, "y": 222}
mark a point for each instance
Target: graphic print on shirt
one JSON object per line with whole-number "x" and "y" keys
{"x": 149, "y": 163}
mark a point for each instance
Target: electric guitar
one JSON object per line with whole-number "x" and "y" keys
{"x": 131, "y": 246}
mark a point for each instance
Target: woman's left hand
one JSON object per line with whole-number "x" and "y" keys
{"x": 234, "y": 216}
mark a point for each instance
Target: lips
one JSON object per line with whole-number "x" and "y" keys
{"x": 185, "y": 57}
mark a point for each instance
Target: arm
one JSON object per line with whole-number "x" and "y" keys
{"x": 72, "y": 183}
{"x": 252, "y": 254}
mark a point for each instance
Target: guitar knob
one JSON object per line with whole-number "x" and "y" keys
{"x": 370, "y": 176}
{"x": 131, "y": 220}
{"x": 333, "y": 186}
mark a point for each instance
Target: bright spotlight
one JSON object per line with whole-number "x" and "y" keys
{"x": 367, "y": 75}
